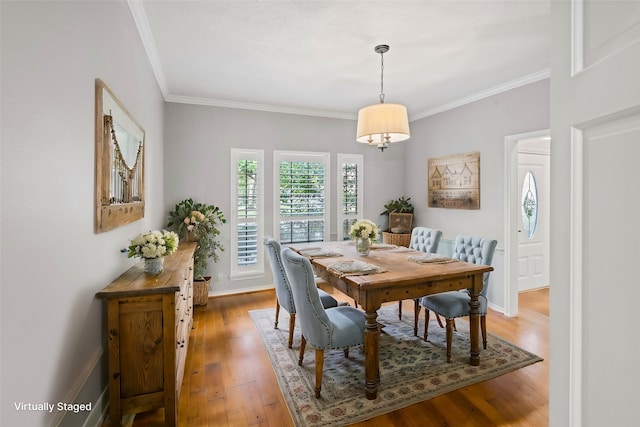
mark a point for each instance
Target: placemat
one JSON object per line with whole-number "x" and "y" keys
{"x": 430, "y": 259}
{"x": 354, "y": 268}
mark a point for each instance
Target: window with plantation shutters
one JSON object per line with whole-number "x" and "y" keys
{"x": 302, "y": 200}
{"x": 247, "y": 226}
{"x": 349, "y": 186}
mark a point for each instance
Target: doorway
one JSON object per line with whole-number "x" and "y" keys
{"x": 527, "y": 211}
{"x": 534, "y": 207}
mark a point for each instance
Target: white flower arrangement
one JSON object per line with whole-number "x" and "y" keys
{"x": 154, "y": 244}
{"x": 364, "y": 229}
{"x": 194, "y": 220}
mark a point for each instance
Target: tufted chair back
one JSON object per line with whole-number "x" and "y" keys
{"x": 425, "y": 239}
{"x": 475, "y": 250}
{"x": 283, "y": 290}
{"x": 314, "y": 322}
{"x": 335, "y": 328}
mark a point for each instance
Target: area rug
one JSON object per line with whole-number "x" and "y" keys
{"x": 411, "y": 370}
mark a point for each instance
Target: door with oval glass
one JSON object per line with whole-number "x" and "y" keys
{"x": 533, "y": 223}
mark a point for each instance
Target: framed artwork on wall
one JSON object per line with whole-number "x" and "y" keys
{"x": 119, "y": 163}
{"x": 454, "y": 181}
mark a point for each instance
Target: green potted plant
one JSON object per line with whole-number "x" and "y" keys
{"x": 201, "y": 223}
{"x": 402, "y": 205}
{"x": 400, "y": 222}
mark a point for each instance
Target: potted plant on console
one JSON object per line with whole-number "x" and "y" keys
{"x": 400, "y": 213}
{"x": 200, "y": 223}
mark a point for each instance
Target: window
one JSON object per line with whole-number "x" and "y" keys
{"x": 247, "y": 205}
{"x": 350, "y": 183}
{"x": 301, "y": 181}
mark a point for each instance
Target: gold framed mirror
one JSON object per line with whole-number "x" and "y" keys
{"x": 119, "y": 167}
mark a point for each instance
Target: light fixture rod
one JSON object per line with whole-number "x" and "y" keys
{"x": 382, "y": 49}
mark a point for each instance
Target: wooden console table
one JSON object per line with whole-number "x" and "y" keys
{"x": 149, "y": 319}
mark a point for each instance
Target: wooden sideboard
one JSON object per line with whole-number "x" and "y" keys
{"x": 149, "y": 319}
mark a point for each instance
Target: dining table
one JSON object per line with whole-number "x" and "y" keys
{"x": 392, "y": 273}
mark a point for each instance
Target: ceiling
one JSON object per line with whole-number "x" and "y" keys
{"x": 317, "y": 57}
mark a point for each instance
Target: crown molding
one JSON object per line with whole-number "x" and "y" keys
{"x": 513, "y": 84}
{"x": 142, "y": 23}
{"x": 259, "y": 107}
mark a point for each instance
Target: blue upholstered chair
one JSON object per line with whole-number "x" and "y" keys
{"x": 284, "y": 297}
{"x": 475, "y": 250}
{"x": 423, "y": 239}
{"x": 333, "y": 328}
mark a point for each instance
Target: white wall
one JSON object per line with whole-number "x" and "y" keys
{"x": 479, "y": 126}
{"x": 197, "y": 159}
{"x": 52, "y": 263}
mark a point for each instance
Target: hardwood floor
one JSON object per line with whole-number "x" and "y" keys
{"x": 229, "y": 380}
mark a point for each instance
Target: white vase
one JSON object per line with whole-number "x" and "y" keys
{"x": 153, "y": 265}
{"x": 363, "y": 246}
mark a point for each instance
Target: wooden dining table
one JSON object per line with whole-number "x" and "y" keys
{"x": 401, "y": 279}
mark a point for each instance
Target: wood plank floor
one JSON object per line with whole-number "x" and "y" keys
{"x": 229, "y": 380}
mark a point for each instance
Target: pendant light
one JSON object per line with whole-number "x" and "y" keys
{"x": 381, "y": 124}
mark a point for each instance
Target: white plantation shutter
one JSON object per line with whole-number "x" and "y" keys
{"x": 350, "y": 192}
{"x": 302, "y": 200}
{"x": 247, "y": 225}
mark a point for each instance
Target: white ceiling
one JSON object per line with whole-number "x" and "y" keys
{"x": 317, "y": 57}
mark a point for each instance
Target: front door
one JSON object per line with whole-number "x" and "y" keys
{"x": 533, "y": 218}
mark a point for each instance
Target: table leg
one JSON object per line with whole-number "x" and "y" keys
{"x": 371, "y": 354}
{"x": 474, "y": 323}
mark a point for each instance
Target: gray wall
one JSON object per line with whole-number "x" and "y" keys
{"x": 479, "y": 126}
{"x": 53, "y": 341}
{"x": 197, "y": 164}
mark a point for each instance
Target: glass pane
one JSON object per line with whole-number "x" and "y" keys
{"x": 301, "y": 231}
{"x": 529, "y": 205}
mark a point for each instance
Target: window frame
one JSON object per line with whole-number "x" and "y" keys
{"x": 239, "y": 272}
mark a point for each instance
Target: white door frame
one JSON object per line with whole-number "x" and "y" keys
{"x": 511, "y": 196}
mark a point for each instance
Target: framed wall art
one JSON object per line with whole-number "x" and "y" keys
{"x": 454, "y": 181}
{"x": 119, "y": 166}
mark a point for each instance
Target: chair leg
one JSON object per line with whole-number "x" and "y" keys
{"x": 319, "y": 367}
{"x": 355, "y": 303}
{"x": 439, "y": 320}
{"x": 483, "y": 328}
{"x": 303, "y": 344}
{"x": 400, "y": 310}
{"x": 292, "y": 325}
{"x": 416, "y": 316}
{"x": 450, "y": 324}
{"x": 346, "y": 353}
{"x": 275, "y": 325}
{"x": 426, "y": 322}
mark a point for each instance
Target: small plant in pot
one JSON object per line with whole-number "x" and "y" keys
{"x": 199, "y": 222}
{"x": 399, "y": 224}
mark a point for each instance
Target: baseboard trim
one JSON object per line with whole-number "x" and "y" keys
{"x": 79, "y": 384}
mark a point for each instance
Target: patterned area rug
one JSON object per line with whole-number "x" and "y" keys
{"x": 411, "y": 370}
